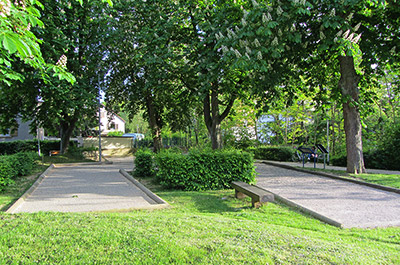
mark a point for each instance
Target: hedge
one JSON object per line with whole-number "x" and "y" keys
{"x": 13, "y": 147}
{"x": 12, "y": 166}
{"x": 144, "y": 164}
{"x": 375, "y": 159}
{"x": 275, "y": 153}
{"x": 204, "y": 170}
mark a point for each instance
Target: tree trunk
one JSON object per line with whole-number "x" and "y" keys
{"x": 155, "y": 124}
{"x": 67, "y": 129}
{"x": 256, "y": 129}
{"x": 213, "y": 118}
{"x": 348, "y": 84}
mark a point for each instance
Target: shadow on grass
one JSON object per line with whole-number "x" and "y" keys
{"x": 66, "y": 158}
{"x": 15, "y": 190}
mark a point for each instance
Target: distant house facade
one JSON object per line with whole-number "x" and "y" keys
{"x": 21, "y": 133}
{"x": 111, "y": 122}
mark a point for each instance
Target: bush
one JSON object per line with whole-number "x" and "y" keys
{"x": 12, "y": 166}
{"x": 13, "y": 147}
{"x": 204, "y": 170}
{"x": 338, "y": 160}
{"x": 144, "y": 164}
{"x": 275, "y": 153}
{"x": 115, "y": 133}
{"x": 24, "y": 162}
{"x": 7, "y": 172}
{"x": 374, "y": 159}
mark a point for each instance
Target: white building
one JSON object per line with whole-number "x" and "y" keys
{"x": 110, "y": 122}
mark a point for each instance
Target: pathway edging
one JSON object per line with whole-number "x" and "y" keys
{"x": 324, "y": 174}
{"x": 148, "y": 192}
{"x": 18, "y": 202}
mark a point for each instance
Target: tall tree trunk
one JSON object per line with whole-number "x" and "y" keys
{"x": 256, "y": 129}
{"x": 213, "y": 118}
{"x": 67, "y": 129}
{"x": 348, "y": 84}
{"x": 155, "y": 124}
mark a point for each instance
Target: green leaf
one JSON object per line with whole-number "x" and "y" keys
{"x": 9, "y": 44}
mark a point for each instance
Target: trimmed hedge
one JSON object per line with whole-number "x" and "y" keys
{"x": 204, "y": 170}
{"x": 275, "y": 153}
{"x": 376, "y": 159}
{"x": 13, "y": 147}
{"x": 144, "y": 164}
{"x": 16, "y": 165}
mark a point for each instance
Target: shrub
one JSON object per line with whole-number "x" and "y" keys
{"x": 7, "y": 172}
{"x": 115, "y": 133}
{"x": 275, "y": 153}
{"x": 13, "y": 147}
{"x": 339, "y": 160}
{"x": 374, "y": 159}
{"x": 204, "y": 170}
{"x": 12, "y": 166}
{"x": 24, "y": 162}
{"x": 144, "y": 164}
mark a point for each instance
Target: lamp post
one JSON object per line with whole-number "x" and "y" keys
{"x": 99, "y": 120}
{"x": 327, "y": 137}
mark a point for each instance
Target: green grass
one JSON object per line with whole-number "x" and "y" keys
{"x": 200, "y": 228}
{"x": 381, "y": 179}
{"x": 12, "y": 192}
{"x": 65, "y": 158}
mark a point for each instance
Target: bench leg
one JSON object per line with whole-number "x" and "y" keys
{"x": 239, "y": 195}
{"x": 256, "y": 203}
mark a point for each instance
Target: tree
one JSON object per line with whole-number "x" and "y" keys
{"x": 19, "y": 44}
{"x": 72, "y": 31}
{"x": 142, "y": 58}
{"x": 335, "y": 33}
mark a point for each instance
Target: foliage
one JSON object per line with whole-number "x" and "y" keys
{"x": 70, "y": 39}
{"x": 275, "y": 153}
{"x": 12, "y": 147}
{"x": 143, "y": 75}
{"x": 204, "y": 169}
{"x": 144, "y": 164}
{"x": 389, "y": 148}
{"x": 135, "y": 123}
{"x": 339, "y": 160}
{"x": 23, "y": 162}
{"x": 19, "y": 43}
{"x": 12, "y": 166}
{"x": 7, "y": 172}
{"x": 115, "y": 133}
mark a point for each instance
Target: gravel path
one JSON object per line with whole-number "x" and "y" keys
{"x": 341, "y": 202}
{"x": 85, "y": 188}
{"x": 321, "y": 166}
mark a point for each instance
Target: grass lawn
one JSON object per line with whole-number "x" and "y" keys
{"x": 201, "y": 228}
{"x": 65, "y": 158}
{"x": 381, "y": 179}
{"x": 15, "y": 190}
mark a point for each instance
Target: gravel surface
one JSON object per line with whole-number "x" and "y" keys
{"x": 85, "y": 188}
{"x": 348, "y": 204}
{"x": 321, "y": 166}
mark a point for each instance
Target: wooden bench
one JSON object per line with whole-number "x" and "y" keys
{"x": 54, "y": 152}
{"x": 258, "y": 196}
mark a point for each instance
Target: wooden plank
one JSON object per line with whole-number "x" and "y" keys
{"x": 258, "y": 195}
